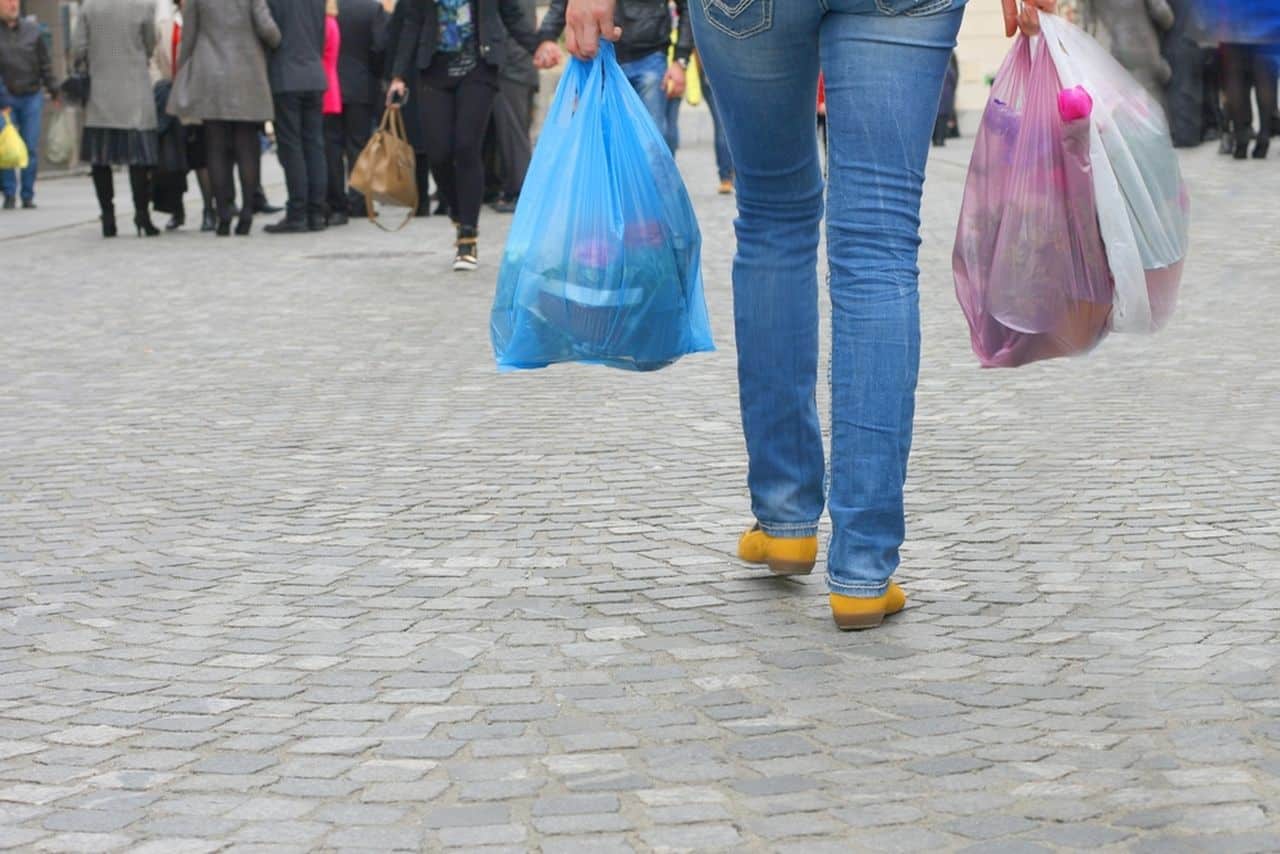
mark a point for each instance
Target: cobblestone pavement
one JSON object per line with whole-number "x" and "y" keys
{"x": 286, "y": 566}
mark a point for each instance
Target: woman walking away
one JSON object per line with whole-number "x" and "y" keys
{"x": 883, "y": 62}
{"x": 222, "y": 82}
{"x": 457, "y": 47}
{"x": 114, "y": 42}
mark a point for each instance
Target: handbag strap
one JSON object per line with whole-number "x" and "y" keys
{"x": 374, "y": 218}
{"x": 397, "y": 123}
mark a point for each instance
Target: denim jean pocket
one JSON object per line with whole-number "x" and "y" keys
{"x": 739, "y": 19}
{"x": 914, "y": 8}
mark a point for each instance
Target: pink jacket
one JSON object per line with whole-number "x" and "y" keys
{"x": 332, "y": 39}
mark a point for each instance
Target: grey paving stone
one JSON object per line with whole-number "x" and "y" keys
{"x": 581, "y": 824}
{"x": 91, "y": 821}
{"x": 697, "y": 837}
{"x": 989, "y": 826}
{"x": 378, "y": 838}
{"x": 576, "y": 805}
{"x": 468, "y": 816}
{"x": 233, "y": 763}
{"x": 16, "y": 837}
{"x": 474, "y": 837}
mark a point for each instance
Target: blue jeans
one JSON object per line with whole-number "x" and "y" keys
{"x": 671, "y": 133}
{"x": 884, "y": 62}
{"x": 27, "y": 110}
{"x": 724, "y": 160}
{"x": 645, "y": 76}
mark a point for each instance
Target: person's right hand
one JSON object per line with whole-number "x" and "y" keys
{"x": 396, "y": 90}
{"x": 1027, "y": 18}
{"x": 586, "y": 22}
{"x": 547, "y": 55}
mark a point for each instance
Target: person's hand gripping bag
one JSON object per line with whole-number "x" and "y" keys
{"x": 1030, "y": 269}
{"x": 602, "y": 264}
{"x": 1144, "y": 210}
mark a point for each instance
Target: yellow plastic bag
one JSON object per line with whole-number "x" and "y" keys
{"x": 13, "y": 151}
{"x": 692, "y": 77}
{"x": 693, "y": 83}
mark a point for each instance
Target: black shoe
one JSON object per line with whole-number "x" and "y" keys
{"x": 244, "y": 225}
{"x": 209, "y": 222}
{"x": 467, "y": 257}
{"x": 109, "y": 224}
{"x": 224, "y": 228}
{"x": 504, "y": 206}
{"x": 142, "y": 222}
{"x": 315, "y": 222}
{"x": 338, "y": 218}
{"x": 442, "y": 209}
{"x": 1260, "y": 149}
{"x": 265, "y": 207}
{"x": 10, "y": 203}
{"x": 287, "y": 226}
{"x": 1242, "y": 150}
{"x": 29, "y": 204}
{"x": 176, "y": 221}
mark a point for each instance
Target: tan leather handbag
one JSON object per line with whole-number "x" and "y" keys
{"x": 385, "y": 170}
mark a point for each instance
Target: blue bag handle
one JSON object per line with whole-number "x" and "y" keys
{"x": 584, "y": 84}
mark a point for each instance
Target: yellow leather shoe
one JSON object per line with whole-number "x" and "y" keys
{"x": 855, "y": 612}
{"x": 784, "y": 555}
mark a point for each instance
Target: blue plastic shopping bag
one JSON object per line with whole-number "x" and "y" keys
{"x": 602, "y": 263}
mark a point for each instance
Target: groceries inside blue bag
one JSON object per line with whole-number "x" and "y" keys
{"x": 602, "y": 263}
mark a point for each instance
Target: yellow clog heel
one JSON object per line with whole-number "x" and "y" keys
{"x": 854, "y": 612}
{"x": 783, "y": 555}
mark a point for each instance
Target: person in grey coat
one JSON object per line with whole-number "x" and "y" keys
{"x": 298, "y": 82}
{"x": 114, "y": 42}
{"x": 222, "y": 82}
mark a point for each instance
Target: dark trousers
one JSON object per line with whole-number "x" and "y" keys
{"x": 300, "y": 147}
{"x": 345, "y": 136}
{"x": 513, "y": 117}
{"x": 231, "y": 145}
{"x": 1243, "y": 65}
{"x": 455, "y": 114}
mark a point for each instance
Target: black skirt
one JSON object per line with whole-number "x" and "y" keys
{"x": 119, "y": 147}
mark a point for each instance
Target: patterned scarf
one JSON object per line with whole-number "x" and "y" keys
{"x": 457, "y": 28}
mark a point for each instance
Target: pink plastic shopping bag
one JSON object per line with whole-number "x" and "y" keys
{"x": 1030, "y": 267}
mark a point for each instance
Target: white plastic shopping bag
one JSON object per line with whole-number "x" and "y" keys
{"x": 1143, "y": 204}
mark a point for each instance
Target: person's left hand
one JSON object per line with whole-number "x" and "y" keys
{"x": 674, "y": 82}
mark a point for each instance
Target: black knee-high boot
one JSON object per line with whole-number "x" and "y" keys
{"x": 140, "y": 184}
{"x": 104, "y": 189}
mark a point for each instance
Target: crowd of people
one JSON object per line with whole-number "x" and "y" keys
{"x": 190, "y": 89}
